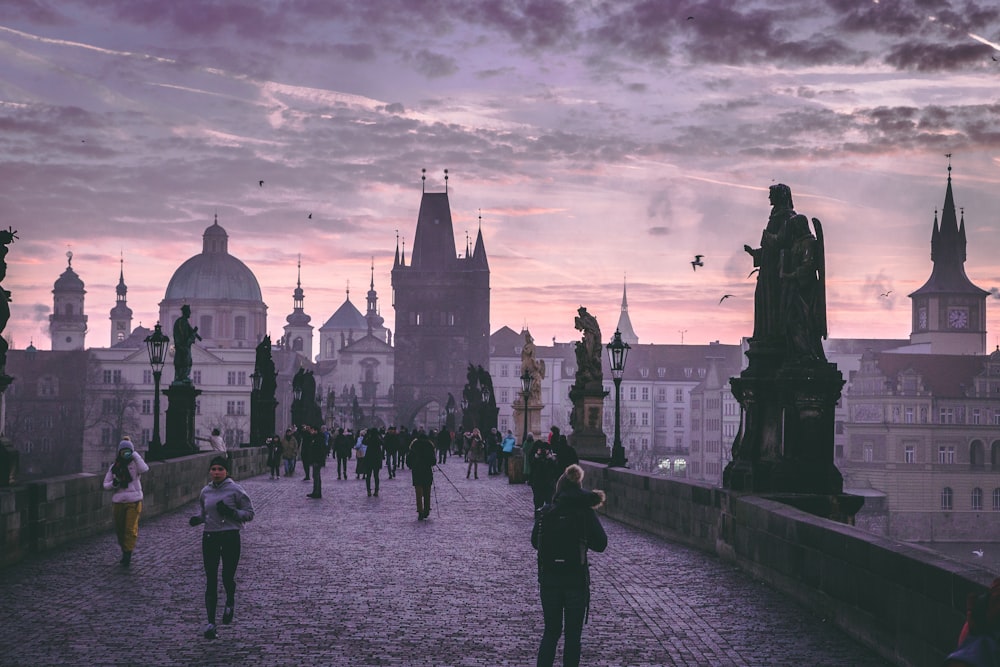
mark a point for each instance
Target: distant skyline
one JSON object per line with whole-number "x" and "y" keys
{"x": 597, "y": 142}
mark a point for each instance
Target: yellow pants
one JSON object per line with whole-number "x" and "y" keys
{"x": 127, "y": 523}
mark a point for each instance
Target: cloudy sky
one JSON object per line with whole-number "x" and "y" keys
{"x": 599, "y": 141}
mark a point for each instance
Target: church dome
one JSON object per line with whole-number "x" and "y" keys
{"x": 214, "y": 274}
{"x": 69, "y": 281}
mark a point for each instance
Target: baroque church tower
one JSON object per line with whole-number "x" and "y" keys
{"x": 949, "y": 312}
{"x": 121, "y": 314}
{"x": 625, "y": 322}
{"x": 442, "y": 306}
{"x": 298, "y": 331}
{"x": 68, "y": 323}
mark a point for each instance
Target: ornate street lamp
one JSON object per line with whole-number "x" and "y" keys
{"x": 525, "y": 390}
{"x": 156, "y": 346}
{"x": 617, "y": 354}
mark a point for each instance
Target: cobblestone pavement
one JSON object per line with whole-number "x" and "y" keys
{"x": 353, "y": 580}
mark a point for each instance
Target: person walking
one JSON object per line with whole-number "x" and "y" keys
{"x": 343, "y": 447}
{"x": 305, "y": 450}
{"x": 543, "y": 473}
{"x": 420, "y": 461}
{"x": 565, "y": 454}
{"x": 443, "y": 443}
{"x": 225, "y": 508}
{"x": 476, "y": 449}
{"x": 123, "y": 477}
{"x": 391, "y": 445}
{"x": 528, "y": 451}
{"x": 316, "y": 444}
{"x": 289, "y": 451}
{"x": 359, "y": 454}
{"x": 273, "y": 445}
{"x": 563, "y": 533}
{"x": 374, "y": 455}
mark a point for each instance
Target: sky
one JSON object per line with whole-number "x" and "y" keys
{"x": 595, "y": 143}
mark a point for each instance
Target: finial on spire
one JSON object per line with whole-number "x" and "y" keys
{"x": 69, "y": 258}
{"x": 373, "y": 272}
{"x": 948, "y": 155}
{"x": 298, "y": 280}
{"x": 348, "y": 289}
{"x": 446, "y": 181}
{"x": 480, "y": 219}
{"x": 423, "y": 180}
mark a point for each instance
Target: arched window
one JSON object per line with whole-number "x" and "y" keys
{"x": 240, "y": 328}
{"x": 946, "y": 498}
{"x": 297, "y": 344}
{"x": 977, "y": 499}
{"x": 331, "y": 348}
{"x": 68, "y": 310}
{"x": 977, "y": 453}
{"x": 995, "y": 455}
{"x": 205, "y": 326}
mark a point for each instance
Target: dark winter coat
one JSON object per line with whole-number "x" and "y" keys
{"x": 597, "y": 540}
{"x": 421, "y": 460}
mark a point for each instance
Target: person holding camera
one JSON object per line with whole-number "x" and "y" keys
{"x": 225, "y": 507}
{"x": 123, "y": 478}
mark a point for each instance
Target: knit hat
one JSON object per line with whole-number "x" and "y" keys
{"x": 220, "y": 461}
{"x": 126, "y": 444}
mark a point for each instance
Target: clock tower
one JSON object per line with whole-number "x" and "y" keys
{"x": 949, "y": 312}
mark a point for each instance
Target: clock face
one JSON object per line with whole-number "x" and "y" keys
{"x": 922, "y": 318}
{"x": 958, "y": 318}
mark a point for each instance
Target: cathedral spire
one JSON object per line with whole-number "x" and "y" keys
{"x": 624, "y": 322}
{"x": 121, "y": 314}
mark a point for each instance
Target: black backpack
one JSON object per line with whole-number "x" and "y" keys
{"x": 562, "y": 537}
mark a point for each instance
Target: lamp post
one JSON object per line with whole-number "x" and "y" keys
{"x": 617, "y": 354}
{"x": 525, "y": 390}
{"x": 156, "y": 346}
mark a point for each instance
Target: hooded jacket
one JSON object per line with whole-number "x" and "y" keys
{"x": 573, "y": 496}
{"x": 133, "y": 492}
{"x": 234, "y": 496}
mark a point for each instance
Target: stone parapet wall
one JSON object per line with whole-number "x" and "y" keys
{"x": 47, "y": 513}
{"x": 904, "y": 601}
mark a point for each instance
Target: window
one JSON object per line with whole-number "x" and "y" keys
{"x": 975, "y": 419}
{"x": 909, "y": 454}
{"x": 645, "y": 393}
{"x": 661, "y": 418}
{"x": 977, "y": 499}
{"x": 147, "y": 377}
{"x": 679, "y": 418}
{"x": 504, "y": 396}
{"x": 908, "y": 416}
{"x": 235, "y": 408}
{"x": 147, "y": 406}
{"x": 196, "y": 377}
{"x": 661, "y": 394}
{"x": 631, "y": 393}
{"x": 205, "y": 326}
{"x": 645, "y": 419}
{"x": 996, "y": 500}
{"x": 504, "y": 370}
{"x": 631, "y": 418}
{"x": 644, "y": 372}
{"x": 996, "y": 417}
{"x": 661, "y": 372}
{"x": 868, "y": 452}
{"x": 240, "y": 328}
{"x": 687, "y": 372}
{"x": 112, "y": 377}
{"x": 678, "y": 395}
{"x": 946, "y": 496}
{"x": 106, "y": 437}
{"x": 947, "y": 416}
{"x": 236, "y": 378}
{"x": 47, "y": 386}
{"x": 946, "y": 454}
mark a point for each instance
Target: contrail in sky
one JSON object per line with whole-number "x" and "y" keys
{"x": 984, "y": 41}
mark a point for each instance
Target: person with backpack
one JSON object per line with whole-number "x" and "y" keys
{"x": 420, "y": 460}
{"x": 564, "y": 531}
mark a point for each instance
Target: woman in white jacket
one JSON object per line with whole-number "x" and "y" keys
{"x": 123, "y": 478}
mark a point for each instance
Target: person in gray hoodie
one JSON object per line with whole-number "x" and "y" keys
{"x": 123, "y": 478}
{"x": 225, "y": 507}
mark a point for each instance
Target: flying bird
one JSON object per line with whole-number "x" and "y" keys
{"x": 725, "y": 296}
{"x": 978, "y": 552}
{"x": 697, "y": 262}
{"x": 261, "y": 183}
{"x": 886, "y": 293}
{"x": 691, "y": 18}
{"x": 310, "y": 216}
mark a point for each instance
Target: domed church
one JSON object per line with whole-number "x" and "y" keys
{"x": 223, "y": 293}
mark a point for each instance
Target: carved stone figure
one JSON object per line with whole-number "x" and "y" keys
{"x": 803, "y": 289}
{"x": 265, "y": 368}
{"x": 767, "y": 297}
{"x": 534, "y": 367}
{"x": 588, "y": 350}
{"x": 184, "y": 337}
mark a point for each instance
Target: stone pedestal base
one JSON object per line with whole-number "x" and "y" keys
{"x": 588, "y": 437}
{"x": 534, "y": 420}
{"x": 180, "y": 420}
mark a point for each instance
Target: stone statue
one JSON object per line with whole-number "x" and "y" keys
{"x": 767, "y": 297}
{"x": 265, "y": 368}
{"x": 803, "y": 291}
{"x": 534, "y": 367}
{"x": 7, "y": 237}
{"x": 588, "y": 350}
{"x": 184, "y": 337}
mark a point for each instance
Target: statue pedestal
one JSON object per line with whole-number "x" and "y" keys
{"x": 180, "y": 420}
{"x": 534, "y": 419}
{"x": 785, "y": 444}
{"x": 588, "y": 437}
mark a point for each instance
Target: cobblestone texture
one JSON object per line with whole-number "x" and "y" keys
{"x": 353, "y": 580}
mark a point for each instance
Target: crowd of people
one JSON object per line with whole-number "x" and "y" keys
{"x": 549, "y": 466}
